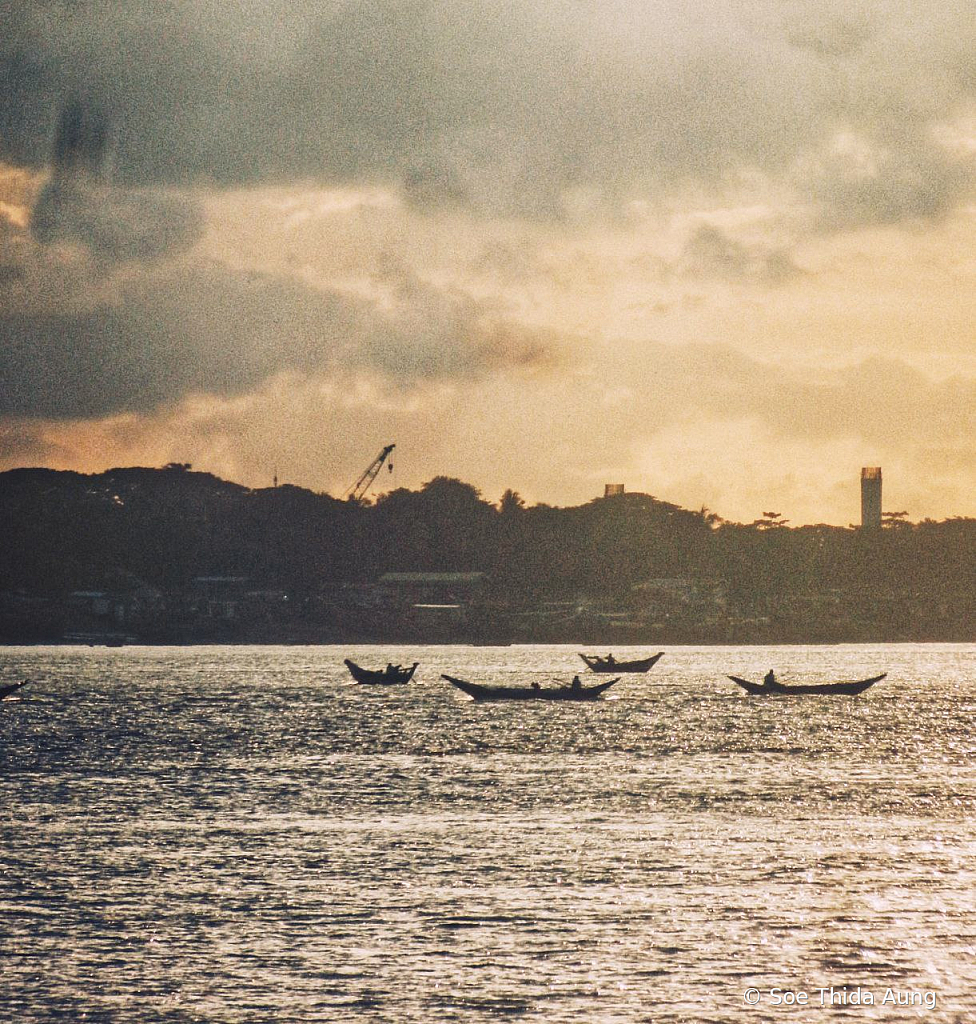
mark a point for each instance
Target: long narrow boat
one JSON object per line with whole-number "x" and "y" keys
{"x": 381, "y": 676}
{"x": 569, "y": 692}
{"x": 778, "y": 689}
{"x": 608, "y": 664}
{"x": 9, "y": 688}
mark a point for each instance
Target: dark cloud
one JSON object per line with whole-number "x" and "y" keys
{"x": 81, "y": 140}
{"x": 161, "y": 336}
{"x": 103, "y": 308}
{"x": 503, "y": 109}
{"x": 710, "y": 252}
{"x": 521, "y": 109}
{"x": 116, "y": 224}
{"x": 885, "y": 181}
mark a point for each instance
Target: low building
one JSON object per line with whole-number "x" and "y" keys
{"x": 403, "y": 589}
{"x": 135, "y": 604}
{"x": 218, "y": 597}
{"x": 702, "y": 598}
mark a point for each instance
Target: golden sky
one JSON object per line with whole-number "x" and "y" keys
{"x": 723, "y": 256}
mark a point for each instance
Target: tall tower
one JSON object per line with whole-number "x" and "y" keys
{"x": 871, "y": 498}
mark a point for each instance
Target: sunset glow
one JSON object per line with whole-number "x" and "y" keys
{"x": 727, "y": 258}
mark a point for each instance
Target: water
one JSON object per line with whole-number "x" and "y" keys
{"x": 243, "y": 834}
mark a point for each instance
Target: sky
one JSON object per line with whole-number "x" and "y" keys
{"x": 721, "y": 253}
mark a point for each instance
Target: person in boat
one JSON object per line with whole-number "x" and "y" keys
{"x": 392, "y": 670}
{"x": 536, "y": 686}
{"x": 769, "y": 679}
{"x": 576, "y": 685}
{"x": 610, "y": 659}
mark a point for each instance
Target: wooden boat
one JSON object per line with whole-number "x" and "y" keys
{"x": 381, "y": 676}
{"x": 762, "y": 690}
{"x": 598, "y": 664}
{"x": 9, "y": 688}
{"x": 568, "y": 692}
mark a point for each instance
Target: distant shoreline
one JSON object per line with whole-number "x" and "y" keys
{"x": 591, "y": 643}
{"x": 169, "y": 556}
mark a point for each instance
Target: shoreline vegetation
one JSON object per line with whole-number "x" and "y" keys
{"x": 173, "y": 556}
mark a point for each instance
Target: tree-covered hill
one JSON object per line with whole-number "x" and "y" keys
{"x": 66, "y": 531}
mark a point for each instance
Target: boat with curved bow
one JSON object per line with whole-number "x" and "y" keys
{"x": 392, "y": 675}
{"x": 570, "y": 691}
{"x": 610, "y": 664}
{"x": 10, "y": 688}
{"x": 775, "y": 689}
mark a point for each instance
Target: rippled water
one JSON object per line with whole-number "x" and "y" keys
{"x": 243, "y": 834}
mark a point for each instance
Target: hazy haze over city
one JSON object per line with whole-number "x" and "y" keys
{"x": 724, "y": 254}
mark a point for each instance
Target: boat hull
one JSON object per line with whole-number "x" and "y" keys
{"x": 779, "y": 689}
{"x": 9, "y": 688}
{"x": 379, "y": 677}
{"x": 479, "y": 692}
{"x": 601, "y": 664}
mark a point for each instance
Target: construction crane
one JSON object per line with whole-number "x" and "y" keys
{"x": 358, "y": 490}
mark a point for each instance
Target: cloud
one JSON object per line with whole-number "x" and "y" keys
{"x": 107, "y": 306}
{"x": 118, "y": 224}
{"x": 711, "y": 252}
{"x": 519, "y": 109}
{"x": 422, "y": 200}
{"x": 907, "y": 176}
{"x": 195, "y": 327}
{"x": 21, "y": 443}
{"x": 691, "y": 424}
{"x": 882, "y": 401}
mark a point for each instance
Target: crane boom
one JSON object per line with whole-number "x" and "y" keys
{"x": 358, "y": 490}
